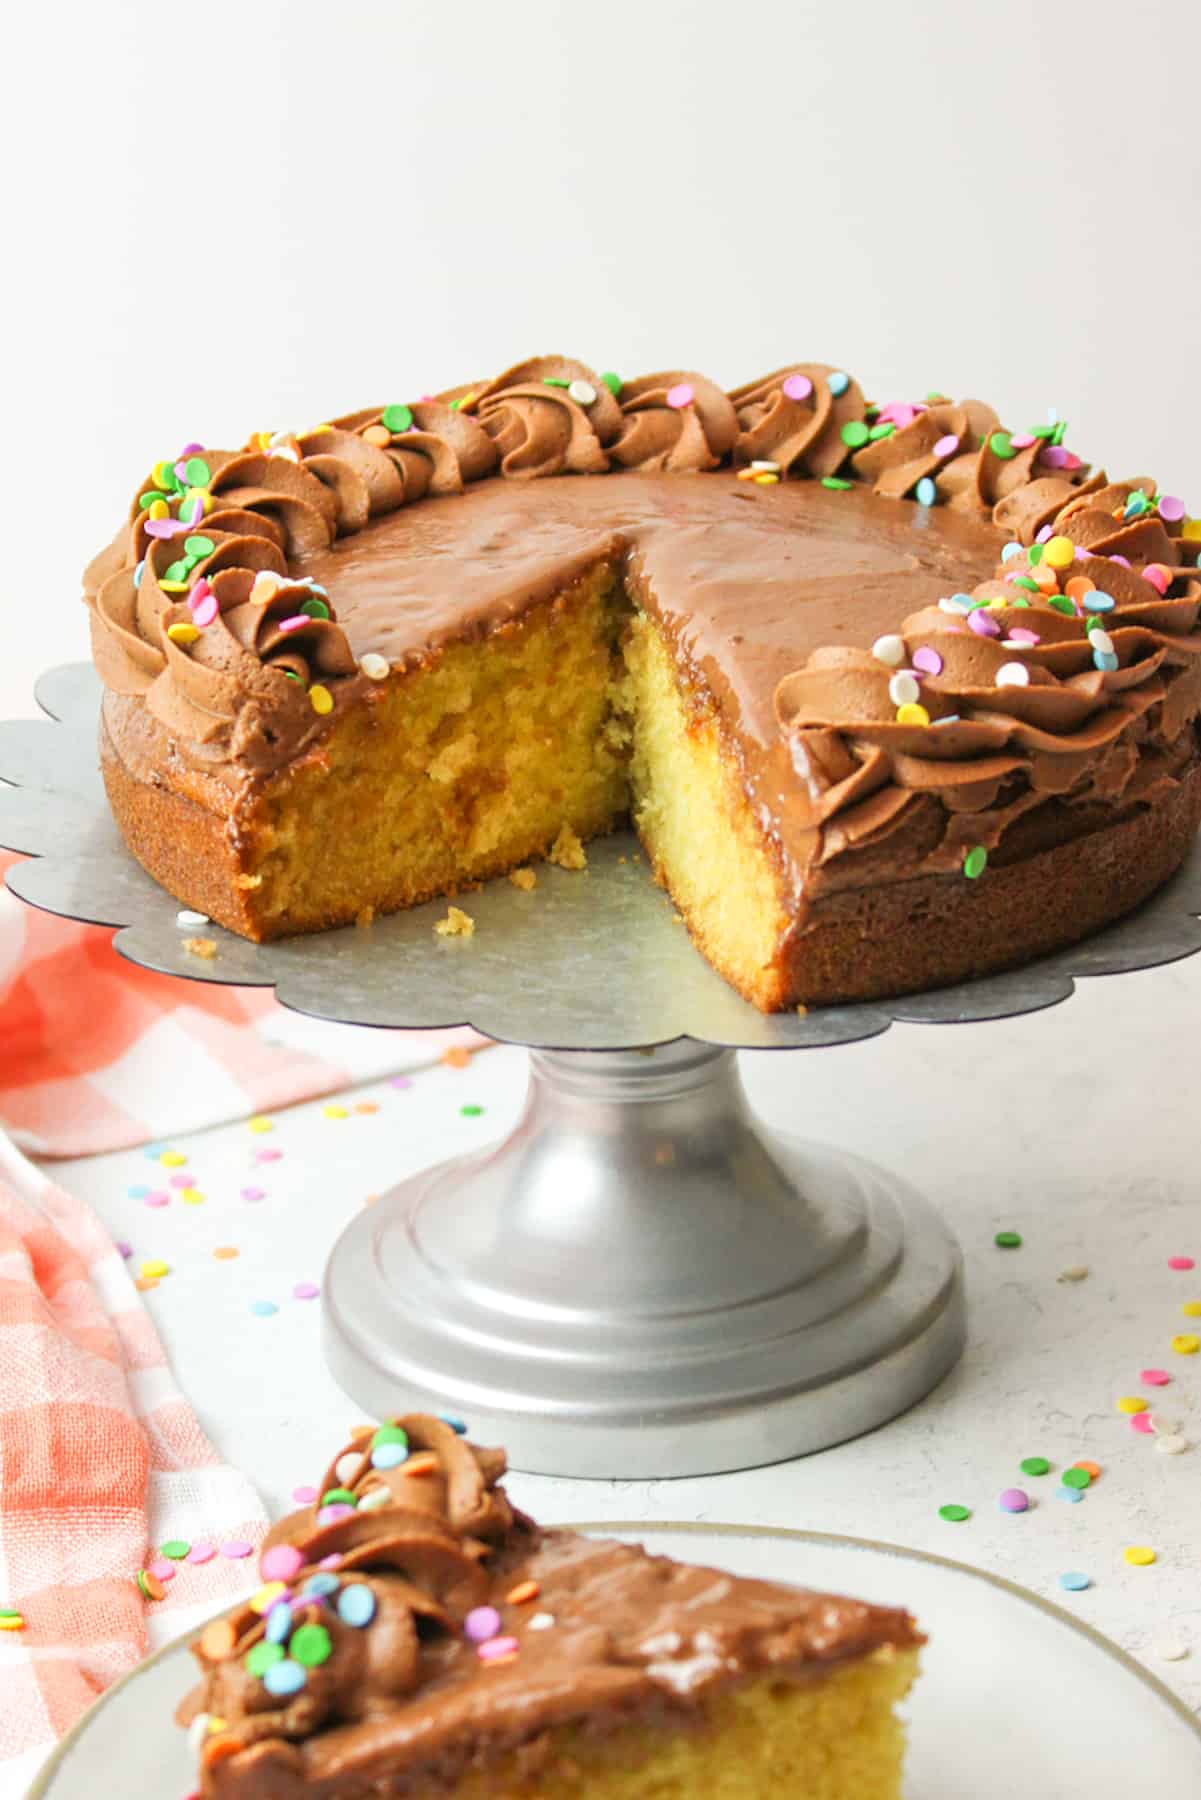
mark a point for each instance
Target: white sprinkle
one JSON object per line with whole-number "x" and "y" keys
{"x": 347, "y": 1467}
{"x": 374, "y": 666}
{"x": 187, "y": 918}
{"x": 288, "y": 454}
{"x": 279, "y": 437}
{"x": 1171, "y": 1445}
{"x": 1013, "y": 674}
{"x": 1170, "y": 1649}
{"x": 1163, "y": 1425}
{"x": 198, "y": 1730}
{"x": 1077, "y": 1272}
{"x": 766, "y": 467}
{"x": 540, "y": 1622}
{"x": 1101, "y": 640}
{"x": 952, "y": 604}
{"x": 266, "y": 585}
{"x": 374, "y": 1498}
{"x": 903, "y": 689}
{"x": 582, "y": 392}
{"x": 890, "y": 650}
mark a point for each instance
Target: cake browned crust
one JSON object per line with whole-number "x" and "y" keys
{"x": 413, "y": 1632}
{"x": 944, "y": 736}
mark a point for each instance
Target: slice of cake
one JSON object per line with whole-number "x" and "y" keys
{"x": 416, "y": 1636}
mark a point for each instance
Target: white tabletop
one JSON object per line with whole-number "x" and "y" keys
{"x": 1079, "y": 1127}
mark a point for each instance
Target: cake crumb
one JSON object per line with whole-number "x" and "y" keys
{"x": 802, "y": 1011}
{"x": 205, "y": 948}
{"x": 525, "y": 879}
{"x": 457, "y": 923}
{"x": 567, "y": 850}
{"x": 250, "y": 881}
{"x": 364, "y": 917}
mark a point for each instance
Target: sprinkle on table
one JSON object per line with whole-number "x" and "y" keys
{"x": 1132, "y": 1403}
{"x": 236, "y": 1548}
{"x": 1073, "y": 1582}
{"x": 1035, "y": 1465}
{"x": 1014, "y": 1500}
{"x": 471, "y": 1111}
{"x": 1079, "y": 1479}
{"x": 175, "y": 1548}
{"x": 1139, "y": 1556}
{"x": 976, "y": 860}
{"x": 1008, "y": 1240}
{"x": 1091, "y": 1469}
{"x": 259, "y": 1124}
{"x": 954, "y": 1514}
{"x": 1181, "y": 1262}
{"x": 263, "y": 1309}
{"x": 1186, "y": 1343}
{"x": 150, "y": 1586}
{"x": 306, "y": 1290}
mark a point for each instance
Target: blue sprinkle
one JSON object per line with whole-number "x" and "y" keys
{"x": 1105, "y": 660}
{"x": 137, "y": 574}
{"x": 279, "y": 1623}
{"x": 318, "y": 1586}
{"x": 838, "y": 383}
{"x": 1073, "y": 1496}
{"x": 356, "y": 1606}
{"x": 284, "y": 1678}
{"x": 1098, "y": 602}
{"x": 389, "y": 1456}
{"x": 1074, "y": 1581}
{"x": 926, "y": 491}
{"x": 449, "y": 1418}
{"x": 153, "y": 1151}
{"x": 1010, "y": 550}
{"x": 139, "y": 1192}
{"x": 263, "y": 1309}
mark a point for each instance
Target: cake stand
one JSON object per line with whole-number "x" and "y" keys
{"x": 642, "y": 1279}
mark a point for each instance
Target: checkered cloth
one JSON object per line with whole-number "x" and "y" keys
{"x": 101, "y": 1456}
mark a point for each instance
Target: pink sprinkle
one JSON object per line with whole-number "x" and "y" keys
{"x": 1124, "y": 560}
{"x": 267, "y": 1155}
{"x": 297, "y": 622}
{"x": 901, "y": 415}
{"x": 124, "y": 1249}
{"x": 1021, "y": 440}
{"x": 1020, "y": 635}
{"x": 253, "y": 1193}
{"x": 200, "y": 589}
{"x": 947, "y": 446}
{"x": 281, "y": 1562}
{"x": 181, "y": 473}
{"x": 983, "y": 623}
{"x": 482, "y": 1623}
{"x": 331, "y": 1562}
{"x": 495, "y": 1647}
{"x": 927, "y": 660}
{"x": 400, "y": 1081}
{"x": 796, "y": 387}
{"x": 206, "y": 611}
{"x": 1170, "y": 508}
{"x": 1045, "y": 535}
{"x": 1071, "y": 460}
{"x": 1081, "y": 554}
{"x": 1141, "y": 1422}
{"x": 304, "y": 1496}
{"x": 166, "y": 528}
{"x": 1153, "y": 1378}
{"x": 680, "y": 395}
{"x": 1159, "y": 577}
{"x": 329, "y": 1515}
{"x": 202, "y": 1552}
{"x": 161, "y": 1569}
{"x": 305, "y": 1290}
{"x": 1181, "y": 1262}
{"x": 1054, "y": 457}
{"x": 190, "y": 450}
{"x": 158, "y": 1198}
{"x": 236, "y": 1549}
{"x": 180, "y": 1179}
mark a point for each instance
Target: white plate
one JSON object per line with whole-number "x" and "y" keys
{"x": 1016, "y": 1696}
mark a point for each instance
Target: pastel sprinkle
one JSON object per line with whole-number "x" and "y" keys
{"x": 259, "y": 1123}
{"x": 953, "y": 1514}
{"x": 1171, "y": 1444}
{"x": 311, "y": 1645}
{"x": 1132, "y": 1403}
{"x": 374, "y": 666}
{"x": 320, "y": 698}
{"x": 304, "y": 1495}
{"x": 983, "y": 624}
{"x": 912, "y": 714}
{"x": 889, "y": 650}
{"x": 1073, "y": 1582}
{"x": 1170, "y": 1649}
{"x": 282, "y": 1562}
{"x": 1070, "y": 1494}
{"x": 356, "y": 1606}
{"x": 175, "y": 1548}
{"x": 1077, "y": 1478}
{"x": 482, "y": 1624}
{"x": 927, "y": 661}
{"x": 1091, "y": 1469}
{"x": 947, "y": 445}
{"x": 254, "y": 1193}
{"x": 263, "y": 1309}
{"x": 1139, "y": 1556}
{"x": 1154, "y": 1377}
{"x": 838, "y": 383}
{"x": 796, "y": 387}
{"x": 974, "y": 865}
{"x": 1035, "y": 1465}
{"x": 182, "y": 634}
{"x": 926, "y": 493}
{"x": 203, "y": 1552}
{"x": 1142, "y": 1422}
{"x": 236, "y": 1548}
{"x": 1012, "y": 674}
{"x": 1014, "y": 1500}
{"x": 397, "y": 418}
{"x": 284, "y": 1678}
{"x": 305, "y": 1290}
{"x": 218, "y": 1639}
{"x": 681, "y": 395}
{"x": 161, "y": 1569}
{"x": 1186, "y": 1343}
{"x": 1181, "y": 1262}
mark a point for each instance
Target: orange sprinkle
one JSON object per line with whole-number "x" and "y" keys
{"x": 424, "y": 1463}
{"x": 525, "y": 1590}
{"x": 1090, "y": 1468}
{"x": 367, "y": 1106}
{"x": 151, "y": 1586}
{"x": 217, "y": 1640}
{"x": 457, "y": 1057}
{"x": 144, "y": 1283}
{"x": 218, "y": 1748}
{"x": 1077, "y": 586}
{"x": 225, "y": 1253}
{"x": 379, "y": 435}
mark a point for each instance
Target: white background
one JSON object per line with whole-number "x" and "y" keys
{"x": 256, "y": 212}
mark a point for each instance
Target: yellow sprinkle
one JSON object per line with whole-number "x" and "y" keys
{"x": 378, "y": 435}
{"x": 191, "y": 1196}
{"x": 745, "y": 475}
{"x": 1191, "y": 529}
{"x": 175, "y": 587}
{"x": 216, "y": 1724}
{"x": 1186, "y": 1343}
{"x": 314, "y": 429}
{"x": 1139, "y": 1555}
{"x": 259, "y": 1123}
{"x": 334, "y": 1111}
{"x": 183, "y": 634}
{"x": 12, "y": 1622}
{"x": 173, "y": 1159}
{"x": 1130, "y": 1403}
{"x": 1192, "y": 1309}
{"x": 266, "y": 1596}
{"x": 320, "y": 698}
{"x": 154, "y": 1270}
{"x": 158, "y": 509}
{"x": 766, "y": 480}
{"x": 266, "y": 585}
{"x": 468, "y": 400}
{"x": 204, "y": 497}
{"x": 1059, "y": 553}
{"x": 912, "y": 714}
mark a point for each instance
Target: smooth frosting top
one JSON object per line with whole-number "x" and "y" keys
{"x": 410, "y": 1616}
{"x": 899, "y": 678}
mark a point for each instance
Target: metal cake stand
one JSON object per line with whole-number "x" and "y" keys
{"x": 642, "y": 1279}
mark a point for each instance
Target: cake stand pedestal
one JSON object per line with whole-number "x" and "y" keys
{"x": 642, "y": 1279}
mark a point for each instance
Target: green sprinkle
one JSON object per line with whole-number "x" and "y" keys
{"x": 881, "y": 431}
{"x": 954, "y": 1515}
{"x": 1094, "y": 622}
{"x": 1042, "y": 431}
{"x": 197, "y": 472}
{"x": 454, "y": 406}
{"x": 149, "y": 498}
{"x": 1024, "y": 581}
{"x": 1060, "y": 432}
{"x": 339, "y": 1496}
{"x": 310, "y": 1646}
{"x": 612, "y": 381}
{"x": 176, "y": 1550}
{"x": 177, "y": 571}
{"x": 934, "y": 395}
{"x": 855, "y": 433}
{"x": 1001, "y": 445}
{"x": 1008, "y": 1240}
{"x": 1035, "y": 1465}
{"x": 396, "y": 418}
{"x": 1020, "y": 600}
{"x": 198, "y": 546}
{"x": 1034, "y": 555}
{"x": 1061, "y": 604}
{"x": 390, "y": 1434}
{"x": 470, "y": 1112}
{"x": 837, "y": 483}
{"x": 554, "y": 381}
{"x": 1076, "y": 1478}
{"x": 975, "y": 862}
{"x": 316, "y": 609}
{"x": 291, "y": 674}
{"x": 261, "y": 1657}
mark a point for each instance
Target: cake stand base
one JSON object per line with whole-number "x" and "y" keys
{"x": 642, "y": 1280}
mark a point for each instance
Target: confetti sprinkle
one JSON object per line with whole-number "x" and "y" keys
{"x": 1072, "y": 1495}
{"x": 154, "y": 1270}
{"x": 1034, "y": 1465}
{"x": 263, "y": 1309}
{"x": 400, "y": 1081}
{"x": 281, "y": 1562}
{"x": 236, "y": 1548}
{"x": 305, "y": 1290}
{"x": 471, "y": 1112}
{"x": 175, "y": 1548}
{"x": 254, "y": 1193}
{"x": 1154, "y": 1377}
{"x": 1077, "y": 1272}
{"x": 498, "y": 1649}
{"x": 1073, "y": 1582}
{"x": 680, "y": 396}
{"x": 523, "y": 1592}
{"x": 1014, "y": 1500}
{"x": 151, "y": 1588}
{"x": 225, "y": 1252}
{"x": 1008, "y": 1240}
{"x": 1091, "y": 1469}
{"x": 1079, "y": 1479}
{"x": 838, "y": 383}
{"x": 1170, "y": 1649}
{"x": 334, "y": 1111}
{"x": 1181, "y": 1262}
{"x": 1186, "y": 1343}
{"x": 540, "y": 1622}
{"x": 1142, "y": 1422}
{"x": 926, "y": 493}
{"x": 305, "y": 1495}
{"x": 356, "y": 1606}
{"x": 953, "y": 1514}
{"x": 202, "y": 1552}
{"x": 258, "y": 1124}
{"x": 1139, "y": 1556}
{"x": 11, "y": 1619}
{"x": 1132, "y": 1403}
{"x": 1171, "y": 1445}
{"x": 482, "y": 1624}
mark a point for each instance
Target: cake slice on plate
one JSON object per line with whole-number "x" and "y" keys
{"x": 416, "y": 1636}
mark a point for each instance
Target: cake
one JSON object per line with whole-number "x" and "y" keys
{"x": 893, "y": 696}
{"x": 416, "y": 1636}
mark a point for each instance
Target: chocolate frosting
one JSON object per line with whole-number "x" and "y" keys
{"x": 278, "y": 583}
{"x": 397, "y": 1683}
